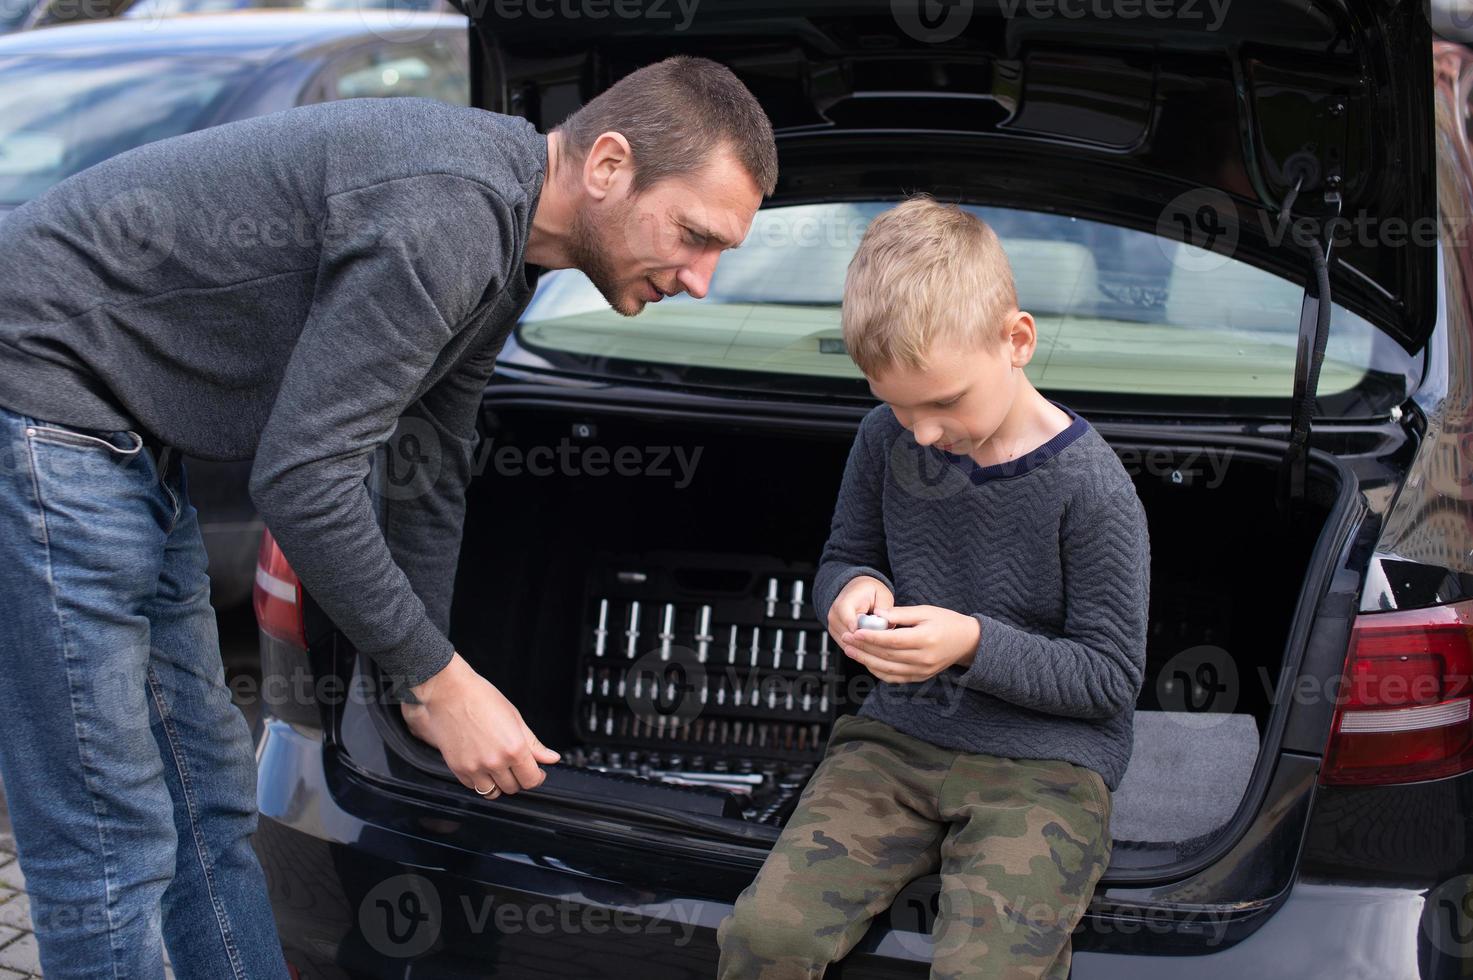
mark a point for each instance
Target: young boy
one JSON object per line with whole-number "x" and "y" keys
{"x": 1000, "y": 536}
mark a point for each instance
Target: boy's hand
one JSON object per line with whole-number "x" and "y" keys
{"x": 863, "y": 594}
{"x": 926, "y": 640}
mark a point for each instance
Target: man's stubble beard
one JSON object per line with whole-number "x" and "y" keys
{"x": 591, "y": 256}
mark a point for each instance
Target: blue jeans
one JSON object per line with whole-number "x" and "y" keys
{"x": 129, "y": 773}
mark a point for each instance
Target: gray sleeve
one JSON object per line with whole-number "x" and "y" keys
{"x": 856, "y": 542}
{"x": 420, "y": 478}
{"x": 403, "y": 262}
{"x": 1096, "y": 668}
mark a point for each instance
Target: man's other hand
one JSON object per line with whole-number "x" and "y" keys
{"x": 480, "y": 733}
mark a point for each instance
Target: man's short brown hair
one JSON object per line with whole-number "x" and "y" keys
{"x": 924, "y": 271}
{"x": 674, "y": 113}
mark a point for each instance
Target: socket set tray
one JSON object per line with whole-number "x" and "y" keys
{"x": 708, "y": 672}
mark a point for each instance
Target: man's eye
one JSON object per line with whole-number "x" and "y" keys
{"x": 691, "y": 238}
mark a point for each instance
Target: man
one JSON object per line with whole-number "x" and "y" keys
{"x": 290, "y": 287}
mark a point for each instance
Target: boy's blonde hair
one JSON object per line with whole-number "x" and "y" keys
{"x": 924, "y": 271}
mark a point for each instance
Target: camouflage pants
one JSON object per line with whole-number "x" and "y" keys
{"x": 1020, "y": 844}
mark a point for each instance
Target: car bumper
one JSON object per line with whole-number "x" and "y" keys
{"x": 361, "y": 898}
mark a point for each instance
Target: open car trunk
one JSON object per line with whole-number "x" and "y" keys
{"x": 707, "y": 512}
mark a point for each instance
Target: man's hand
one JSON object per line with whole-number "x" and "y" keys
{"x": 862, "y": 594}
{"x": 926, "y": 640}
{"x": 480, "y": 733}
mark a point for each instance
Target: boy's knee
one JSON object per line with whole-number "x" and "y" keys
{"x": 763, "y": 934}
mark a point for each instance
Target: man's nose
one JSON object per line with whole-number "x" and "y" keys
{"x": 695, "y": 277}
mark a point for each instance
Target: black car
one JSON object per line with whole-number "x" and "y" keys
{"x": 75, "y": 96}
{"x": 1243, "y": 233}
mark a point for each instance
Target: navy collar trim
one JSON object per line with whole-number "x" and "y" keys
{"x": 1028, "y": 461}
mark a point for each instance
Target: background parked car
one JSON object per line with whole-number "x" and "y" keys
{"x": 16, "y": 15}
{"x": 72, "y": 97}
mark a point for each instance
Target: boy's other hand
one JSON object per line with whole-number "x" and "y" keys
{"x": 925, "y": 641}
{"x": 863, "y": 594}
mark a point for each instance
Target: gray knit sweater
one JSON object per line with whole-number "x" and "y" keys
{"x": 294, "y": 287}
{"x": 1049, "y": 552}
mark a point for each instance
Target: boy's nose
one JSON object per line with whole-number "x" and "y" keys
{"x": 927, "y": 432}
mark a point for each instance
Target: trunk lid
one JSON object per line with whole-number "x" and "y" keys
{"x": 1190, "y": 118}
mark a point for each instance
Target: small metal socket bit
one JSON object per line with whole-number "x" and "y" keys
{"x": 667, "y": 631}
{"x": 772, "y": 587}
{"x": 601, "y": 634}
{"x": 797, "y": 599}
{"x": 633, "y": 631}
{"x": 703, "y": 634}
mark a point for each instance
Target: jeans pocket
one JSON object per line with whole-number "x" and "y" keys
{"x": 61, "y": 435}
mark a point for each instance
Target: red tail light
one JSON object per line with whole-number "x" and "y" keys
{"x": 1403, "y": 711}
{"x": 278, "y": 595}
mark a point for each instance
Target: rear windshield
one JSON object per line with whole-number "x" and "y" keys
{"x": 1119, "y": 311}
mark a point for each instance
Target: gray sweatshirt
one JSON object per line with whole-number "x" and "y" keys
{"x": 289, "y": 287}
{"x": 1050, "y": 554}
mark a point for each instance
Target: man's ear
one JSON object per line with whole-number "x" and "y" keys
{"x": 610, "y": 163}
{"x": 1022, "y": 337}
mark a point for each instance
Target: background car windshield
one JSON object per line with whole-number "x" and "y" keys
{"x": 13, "y": 13}
{"x": 61, "y": 115}
{"x": 1118, "y": 311}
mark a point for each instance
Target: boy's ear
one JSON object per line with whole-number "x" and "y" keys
{"x": 1022, "y": 337}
